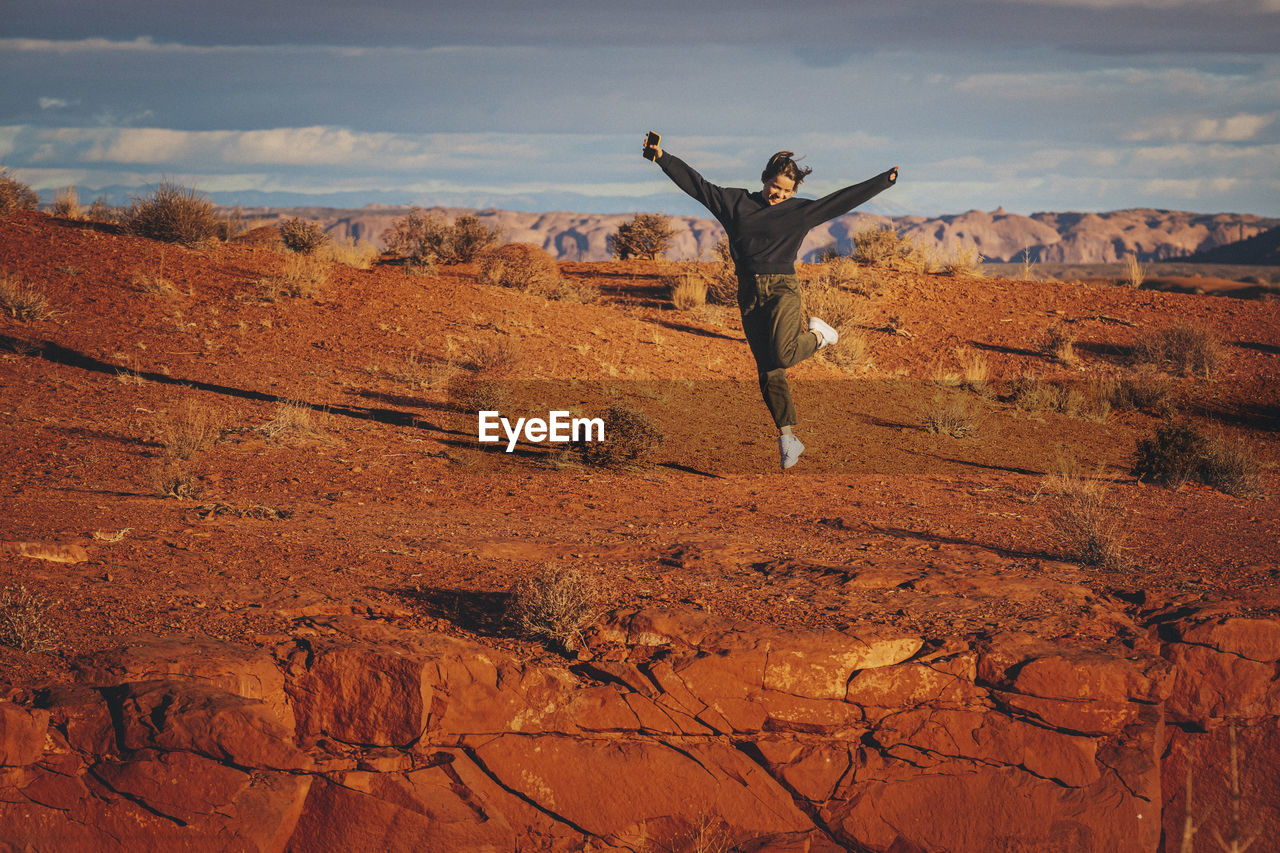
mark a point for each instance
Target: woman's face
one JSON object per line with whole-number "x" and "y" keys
{"x": 779, "y": 188}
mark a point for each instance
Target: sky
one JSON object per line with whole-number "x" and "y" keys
{"x": 539, "y": 105}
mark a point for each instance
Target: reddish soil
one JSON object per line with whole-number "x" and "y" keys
{"x": 392, "y": 508}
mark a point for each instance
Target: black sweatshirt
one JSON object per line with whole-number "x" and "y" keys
{"x": 764, "y": 239}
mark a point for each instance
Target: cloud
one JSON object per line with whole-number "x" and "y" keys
{"x": 1242, "y": 127}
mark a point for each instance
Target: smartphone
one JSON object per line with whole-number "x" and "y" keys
{"x": 651, "y": 143}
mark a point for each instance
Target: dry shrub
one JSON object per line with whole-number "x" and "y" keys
{"x": 950, "y": 415}
{"x": 825, "y": 296}
{"x": 1178, "y": 451}
{"x": 300, "y": 276}
{"x": 1184, "y": 349}
{"x": 23, "y": 301}
{"x": 190, "y": 428}
{"x": 301, "y": 236}
{"x": 886, "y": 247}
{"x": 1134, "y": 272}
{"x": 496, "y": 356}
{"x": 975, "y": 372}
{"x": 153, "y": 284}
{"x": 24, "y": 620}
{"x": 852, "y": 353}
{"x": 15, "y": 195}
{"x": 688, "y": 291}
{"x": 479, "y": 392}
{"x": 427, "y": 238}
{"x": 1231, "y": 468}
{"x": 646, "y": 237}
{"x": 522, "y": 266}
{"x": 964, "y": 260}
{"x": 67, "y": 204}
{"x": 171, "y": 478}
{"x": 231, "y": 224}
{"x": 416, "y": 372}
{"x": 293, "y": 421}
{"x": 556, "y": 606}
{"x": 630, "y": 438}
{"x": 1059, "y": 343}
{"x": 1085, "y": 521}
{"x": 1146, "y": 390}
{"x": 102, "y": 211}
{"x": 173, "y": 214}
{"x": 722, "y": 277}
{"x": 1033, "y": 394}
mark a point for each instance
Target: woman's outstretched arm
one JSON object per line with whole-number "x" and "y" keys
{"x": 713, "y": 198}
{"x": 842, "y": 201}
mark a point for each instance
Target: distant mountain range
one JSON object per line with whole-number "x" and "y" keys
{"x": 1152, "y": 235}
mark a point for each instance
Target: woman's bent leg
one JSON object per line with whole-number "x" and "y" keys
{"x": 789, "y": 334}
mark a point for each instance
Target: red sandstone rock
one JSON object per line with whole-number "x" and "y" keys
{"x": 22, "y": 734}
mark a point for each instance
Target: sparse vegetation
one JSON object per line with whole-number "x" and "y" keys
{"x": 646, "y": 237}
{"x": 1172, "y": 455}
{"x": 101, "y": 211}
{"x": 351, "y": 253}
{"x": 427, "y": 238}
{"x": 293, "y": 421}
{"x": 1085, "y": 521}
{"x": 1134, "y": 272}
{"x": 524, "y": 267}
{"x": 630, "y": 438}
{"x": 300, "y": 276}
{"x": 171, "y": 478}
{"x": 975, "y": 373}
{"x": 301, "y": 236}
{"x": 688, "y": 291}
{"x": 950, "y": 415}
{"x": 190, "y": 428}
{"x": 173, "y": 214}
{"x": 1146, "y": 390}
{"x": 556, "y": 606}
{"x": 1034, "y": 394}
{"x": 964, "y": 260}
{"x": 24, "y": 620}
{"x": 15, "y": 195}
{"x": 22, "y": 301}
{"x": 886, "y": 247}
{"x": 1183, "y": 349}
{"x": 1059, "y": 343}
{"x": 154, "y": 284}
{"x": 722, "y": 280}
{"x": 66, "y": 203}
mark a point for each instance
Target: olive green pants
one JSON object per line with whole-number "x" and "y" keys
{"x": 774, "y": 323}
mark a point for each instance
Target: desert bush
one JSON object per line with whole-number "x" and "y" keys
{"x": 630, "y": 438}
{"x": 23, "y": 301}
{"x": 67, "y": 204}
{"x": 646, "y": 237}
{"x": 351, "y": 253}
{"x": 1033, "y": 394}
{"x": 886, "y": 247}
{"x": 1230, "y": 468}
{"x": 479, "y": 392}
{"x": 300, "y": 276}
{"x": 171, "y": 478}
{"x": 24, "y": 620}
{"x": 101, "y": 211}
{"x": 154, "y": 284}
{"x": 301, "y": 236}
{"x": 1145, "y": 390}
{"x": 722, "y": 279}
{"x": 173, "y": 214}
{"x": 1085, "y": 521}
{"x": 1172, "y": 454}
{"x": 950, "y": 415}
{"x": 1183, "y": 349}
{"x": 522, "y": 266}
{"x": 852, "y": 353}
{"x": 496, "y": 356}
{"x": 190, "y": 428}
{"x": 1058, "y": 342}
{"x": 827, "y": 295}
{"x": 15, "y": 195}
{"x": 1134, "y": 272}
{"x": 964, "y": 260}
{"x": 556, "y": 606}
{"x": 427, "y": 238}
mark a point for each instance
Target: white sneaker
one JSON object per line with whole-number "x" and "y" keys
{"x": 789, "y": 448}
{"x": 826, "y": 335}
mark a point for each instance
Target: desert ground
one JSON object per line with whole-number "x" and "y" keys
{"x": 336, "y": 494}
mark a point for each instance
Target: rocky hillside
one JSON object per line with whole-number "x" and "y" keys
{"x": 1076, "y": 238}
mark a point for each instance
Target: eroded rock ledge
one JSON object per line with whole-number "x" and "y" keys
{"x": 357, "y": 735}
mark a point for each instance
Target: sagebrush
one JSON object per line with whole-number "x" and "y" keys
{"x": 173, "y": 214}
{"x": 15, "y": 195}
{"x": 646, "y": 237}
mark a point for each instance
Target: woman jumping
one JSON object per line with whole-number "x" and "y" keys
{"x": 765, "y": 231}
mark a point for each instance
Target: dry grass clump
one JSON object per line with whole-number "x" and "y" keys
{"x": 23, "y": 301}
{"x": 190, "y": 428}
{"x": 24, "y": 620}
{"x": 688, "y": 291}
{"x": 950, "y": 415}
{"x": 66, "y": 203}
{"x": 645, "y": 237}
{"x": 852, "y": 353}
{"x": 351, "y": 253}
{"x": 556, "y": 606}
{"x": 171, "y": 478}
{"x": 1085, "y": 521}
{"x": 1178, "y": 452}
{"x": 1059, "y": 343}
{"x": 15, "y": 195}
{"x": 417, "y": 372}
{"x": 630, "y": 438}
{"x": 301, "y": 236}
{"x": 157, "y": 285}
{"x": 975, "y": 372}
{"x": 528, "y": 268}
{"x": 484, "y": 389}
{"x": 300, "y": 276}
{"x": 101, "y": 211}
{"x": 293, "y": 421}
{"x": 1033, "y": 394}
{"x": 964, "y": 260}
{"x": 1183, "y": 349}
{"x": 886, "y": 247}
{"x": 173, "y": 214}
{"x": 496, "y": 356}
{"x": 1146, "y": 390}
{"x": 1134, "y": 272}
